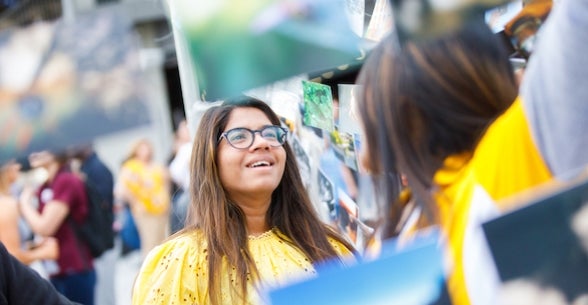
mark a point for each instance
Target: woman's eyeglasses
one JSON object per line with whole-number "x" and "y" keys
{"x": 243, "y": 138}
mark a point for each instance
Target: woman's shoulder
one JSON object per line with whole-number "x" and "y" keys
{"x": 183, "y": 253}
{"x": 190, "y": 244}
{"x": 172, "y": 270}
{"x": 339, "y": 247}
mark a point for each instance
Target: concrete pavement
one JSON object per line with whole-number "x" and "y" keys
{"x": 116, "y": 274}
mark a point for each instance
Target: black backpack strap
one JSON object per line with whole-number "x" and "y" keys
{"x": 75, "y": 229}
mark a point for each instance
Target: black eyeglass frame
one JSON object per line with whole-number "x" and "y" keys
{"x": 281, "y": 140}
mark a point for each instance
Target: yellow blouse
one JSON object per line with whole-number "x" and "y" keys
{"x": 176, "y": 272}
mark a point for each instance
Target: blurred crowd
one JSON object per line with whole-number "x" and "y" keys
{"x": 45, "y": 193}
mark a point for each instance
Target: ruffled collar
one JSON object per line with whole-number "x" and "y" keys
{"x": 263, "y": 235}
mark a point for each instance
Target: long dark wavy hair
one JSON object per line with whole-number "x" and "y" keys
{"x": 223, "y": 222}
{"x": 427, "y": 100}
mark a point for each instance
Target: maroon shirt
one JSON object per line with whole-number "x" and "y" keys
{"x": 67, "y": 188}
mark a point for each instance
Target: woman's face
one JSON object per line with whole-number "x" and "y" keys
{"x": 10, "y": 171}
{"x": 143, "y": 152}
{"x": 256, "y": 170}
{"x": 41, "y": 159}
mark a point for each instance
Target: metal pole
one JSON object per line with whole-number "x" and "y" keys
{"x": 68, "y": 8}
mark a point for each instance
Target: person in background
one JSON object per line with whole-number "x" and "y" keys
{"x": 99, "y": 176}
{"x": 144, "y": 185}
{"x": 251, "y": 225}
{"x": 523, "y": 30}
{"x": 179, "y": 172}
{"x": 62, "y": 200}
{"x": 94, "y": 170}
{"x": 179, "y": 169}
{"x": 13, "y": 229}
{"x": 21, "y": 285}
{"x": 466, "y": 139}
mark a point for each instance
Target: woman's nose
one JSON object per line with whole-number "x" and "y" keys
{"x": 259, "y": 142}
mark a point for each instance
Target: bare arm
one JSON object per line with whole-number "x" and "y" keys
{"x": 10, "y": 237}
{"x": 9, "y": 234}
{"x": 121, "y": 193}
{"x": 47, "y": 223}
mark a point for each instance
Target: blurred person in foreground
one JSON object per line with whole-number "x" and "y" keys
{"x": 62, "y": 201}
{"x": 251, "y": 224}
{"x": 21, "y": 285}
{"x": 444, "y": 111}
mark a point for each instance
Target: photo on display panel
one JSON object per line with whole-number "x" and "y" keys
{"x": 302, "y": 160}
{"x": 343, "y": 144}
{"x": 318, "y": 105}
{"x": 327, "y": 192}
{"x": 348, "y": 216}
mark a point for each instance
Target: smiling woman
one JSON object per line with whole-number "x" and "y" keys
{"x": 251, "y": 225}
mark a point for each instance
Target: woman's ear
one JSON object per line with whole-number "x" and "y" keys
{"x": 365, "y": 165}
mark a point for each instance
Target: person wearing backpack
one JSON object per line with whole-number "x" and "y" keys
{"x": 99, "y": 183}
{"x": 62, "y": 205}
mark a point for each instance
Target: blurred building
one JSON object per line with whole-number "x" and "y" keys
{"x": 157, "y": 57}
